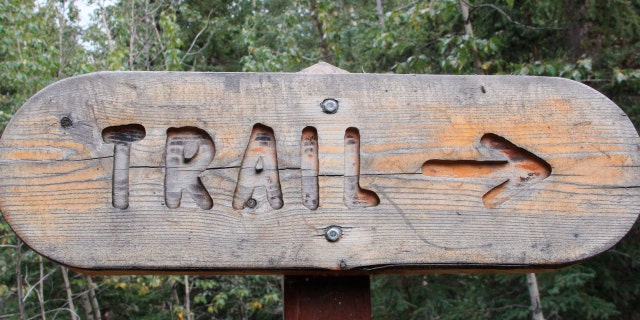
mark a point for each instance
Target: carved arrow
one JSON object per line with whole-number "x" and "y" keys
{"x": 522, "y": 168}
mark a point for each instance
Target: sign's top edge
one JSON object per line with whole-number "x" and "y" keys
{"x": 323, "y": 75}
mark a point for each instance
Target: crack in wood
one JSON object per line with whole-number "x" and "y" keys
{"x": 419, "y": 235}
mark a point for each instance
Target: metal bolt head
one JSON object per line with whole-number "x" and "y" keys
{"x": 333, "y": 233}
{"x": 66, "y": 122}
{"x": 251, "y": 203}
{"x": 329, "y": 106}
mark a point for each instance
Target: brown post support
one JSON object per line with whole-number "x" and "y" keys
{"x": 327, "y": 297}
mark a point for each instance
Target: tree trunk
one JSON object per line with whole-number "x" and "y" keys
{"x": 86, "y": 305}
{"x": 578, "y": 28}
{"x": 187, "y": 298}
{"x": 67, "y": 288}
{"x": 320, "y": 28}
{"x": 105, "y": 25}
{"x": 536, "y": 308}
{"x": 468, "y": 29}
{"x": 41, "y": 289}
{"x": 61, "y": 24}
{"x": 407, "y": 293}
{"x": 380, "y": 12}
{"x": 19, "y": 279}
{"x": 94, "y": 299}
{"x": 132, "y": 34}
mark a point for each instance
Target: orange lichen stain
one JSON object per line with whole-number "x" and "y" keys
{"x": 83, "y": 177}
{"x": 46, "y": 206}
{"x": 54, "y": 168}
{"x": 559, "y": 105}
{"x": 61, "y": 187}
{"x": 402, "y": 163}
{"x": 227, "y": 154}
{"x": 331, "y": 166}
{"x": 257, "y": 150}
{"x": 330, "y": 149}
{"x": 386, "y": 147}
{"x": 601, "y": 170}
{"x": 565, "y": 148}
{"x": 459, "y": 138}
{"x": 37, "y": 155}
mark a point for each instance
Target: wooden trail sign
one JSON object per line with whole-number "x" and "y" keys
{"x": 285, "y": 173}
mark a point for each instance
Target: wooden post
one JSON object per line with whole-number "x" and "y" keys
{"x": 310, "y": 297}
{"x": 536, "y": 306}
{"x": 327, "y": 297}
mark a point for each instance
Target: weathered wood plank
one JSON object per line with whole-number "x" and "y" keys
{"x": 418, "y": 172}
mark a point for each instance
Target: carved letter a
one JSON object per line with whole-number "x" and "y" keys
{"x": 259, "y": 169}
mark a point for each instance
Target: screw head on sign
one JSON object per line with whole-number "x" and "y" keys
{"x": 66, "y": 122}
{"x": 333, "y": 233}
{"x": 329, "y": 106}
{"x": 251, "y": 203}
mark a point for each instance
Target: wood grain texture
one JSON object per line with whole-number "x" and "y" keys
{"x": 326, "y": 298}
{"x": 57, "y": 172}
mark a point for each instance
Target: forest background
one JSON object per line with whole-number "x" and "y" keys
{"x": 593, "y": 42}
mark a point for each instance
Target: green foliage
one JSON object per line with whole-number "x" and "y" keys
{"x": 156, "y": 297}
{"x": 235, "y": 297}
{"x": 452, "y": 297}
{"x": 566, "y": 294}
{"x": 594, "y": 42}
{"x": 31, "y": 56}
